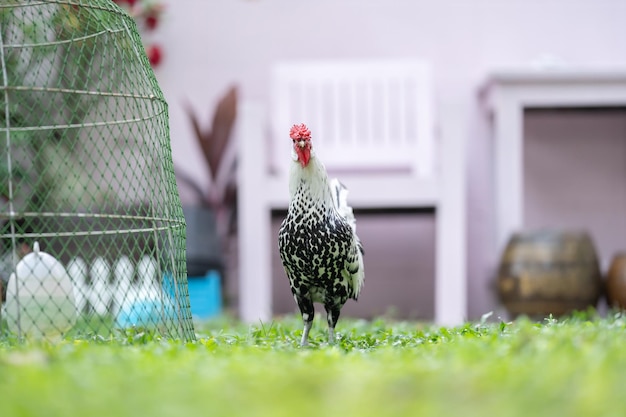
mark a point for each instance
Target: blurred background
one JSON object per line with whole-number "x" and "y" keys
{"x": 574, "y": 159}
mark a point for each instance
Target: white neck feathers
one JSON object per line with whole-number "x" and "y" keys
{"x": 313, "y": 180}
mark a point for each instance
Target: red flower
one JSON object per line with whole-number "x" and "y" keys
{"x": 147, "y": 15}
{"x": 154, "y": 55}
{"x": 151, "y": 21}
{"x": 152, "y": 14}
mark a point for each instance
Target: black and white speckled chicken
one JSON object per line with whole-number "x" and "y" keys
{"x": 318, "y": 245}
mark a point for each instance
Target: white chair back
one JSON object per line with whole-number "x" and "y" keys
{"x": 364, "y": 116}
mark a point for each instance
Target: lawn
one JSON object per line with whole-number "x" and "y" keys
{"x": 570, "y": 367}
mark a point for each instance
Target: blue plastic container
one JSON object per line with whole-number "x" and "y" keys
{"x": 205, "y": 295}
{"x": 144, "y": 313}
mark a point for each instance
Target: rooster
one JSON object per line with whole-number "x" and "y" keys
{"x": 317, "y": 241}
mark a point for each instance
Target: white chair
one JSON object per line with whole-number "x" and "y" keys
{"x": 373, "y": 127}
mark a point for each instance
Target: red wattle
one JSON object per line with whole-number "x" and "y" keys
{"x": 304, "y": 156}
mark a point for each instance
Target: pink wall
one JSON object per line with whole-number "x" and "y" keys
{"x": 575, "y": 165}
{"x": 211, "y": 44}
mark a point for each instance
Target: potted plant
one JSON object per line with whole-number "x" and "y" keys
{"x": 212, "y": 222}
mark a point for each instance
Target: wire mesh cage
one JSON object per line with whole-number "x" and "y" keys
{"x": 92, "y": 230}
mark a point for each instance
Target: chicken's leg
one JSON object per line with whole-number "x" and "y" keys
{"x": 307, "y": 310}
{"x": 332, "y": 315}
{"x": 305, "y": 333}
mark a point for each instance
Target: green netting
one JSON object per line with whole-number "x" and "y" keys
{"x": 87, "y": 177}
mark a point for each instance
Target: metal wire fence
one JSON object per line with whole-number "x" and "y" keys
{"x": 92, "y": 234}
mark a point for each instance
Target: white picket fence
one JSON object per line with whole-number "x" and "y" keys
{"x": 133, "y": 294}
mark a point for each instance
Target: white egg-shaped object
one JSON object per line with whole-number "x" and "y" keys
{"x": 40, "y": 298}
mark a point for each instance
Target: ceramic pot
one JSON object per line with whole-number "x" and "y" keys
{"x": 616, "y": 282}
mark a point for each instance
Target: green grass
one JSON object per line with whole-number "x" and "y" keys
{"x": 572, "y": 367}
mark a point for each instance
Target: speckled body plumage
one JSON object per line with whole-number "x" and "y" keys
{"x": 318, "y": 245}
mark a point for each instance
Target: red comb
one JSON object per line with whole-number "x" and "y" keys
{"x": 300, "y": 132}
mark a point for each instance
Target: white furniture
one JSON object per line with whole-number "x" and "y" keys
{"x": 373, "y": 127}
{"x": 508, "y": 94}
